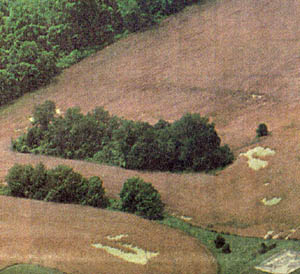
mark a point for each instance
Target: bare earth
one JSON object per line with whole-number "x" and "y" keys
{"x": 61, "y": 237}
{"x": 235, "y": 61}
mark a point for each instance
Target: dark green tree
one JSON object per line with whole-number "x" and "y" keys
{"x": 60, "y": 184}
{"x": 44, "y": 114}
{"x": 94, "y": 193}
{"x": 196, "y": 140}
{"x": 141, "y": 198}
{"x": 262, "y": 130}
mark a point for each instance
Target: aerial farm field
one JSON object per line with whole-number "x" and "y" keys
{"x": 234, "y": 61}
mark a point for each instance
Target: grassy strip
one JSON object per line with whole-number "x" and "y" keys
{"x": 4, "y": 190}
{"x": 28, "y": 268}
{"x": 244, "y": 256}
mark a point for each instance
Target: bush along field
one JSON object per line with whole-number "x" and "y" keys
{"x": 234, "y": 254}
{"x": 39, "y": 38}
{"x": 63, "y": 185}
{"x": 60, "y": 184}
{"x": 190, "y": 143}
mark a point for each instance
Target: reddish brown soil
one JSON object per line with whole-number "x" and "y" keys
{"x": 236, "y": 61}
{"x": 61, "y": 237}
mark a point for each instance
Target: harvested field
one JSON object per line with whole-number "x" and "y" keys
{"x": 236, "y": 61}
{"x": 61, "y": 237}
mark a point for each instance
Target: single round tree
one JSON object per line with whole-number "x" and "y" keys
{"x": 262, "y": 130}
{"x": 141, "y": 198}
{"x": 219, "y": 241}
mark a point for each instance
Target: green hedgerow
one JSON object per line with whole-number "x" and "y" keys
{"x": 60, "y": 184}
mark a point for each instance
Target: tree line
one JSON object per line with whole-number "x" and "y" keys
{"x": 63, "y": 185}
{"x": 190, "y": 143}
{"x": 38, "y": 38}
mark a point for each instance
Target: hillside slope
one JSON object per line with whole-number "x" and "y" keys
{"x": 236, "y": 61}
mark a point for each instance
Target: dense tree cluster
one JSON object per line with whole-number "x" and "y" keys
{"x": 190, "y": 143}
{"x": 60, "y": 184}
{"x": 142, "y": 199}
{"x": 38, "y": 38}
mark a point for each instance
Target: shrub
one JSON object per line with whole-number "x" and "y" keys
{"x": 60, "y": 184}
{"x": 39, "y": 180}
{"x": 64, "y": 185}
{"x": 111, "y": 154}
{"x": 264, "y": 248}
{"x": 141, "y": 198}
{"x": 43, "y": 114}
{"x": 27, "y": 182}
{"x": 94, "y": 193}
{"x": 18, "y": 179}
{"x": 115, "y": 204}
{"x": 34, "y": 137}
{"x": 219, "y": 241}
{"x": 197, "y": 142}
{"x": 262, "y": 130}
{"x": 226, "y": 249}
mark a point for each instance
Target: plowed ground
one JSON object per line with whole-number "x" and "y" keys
{"x": 235, "y": 61}
{"x": 61, "y": 237}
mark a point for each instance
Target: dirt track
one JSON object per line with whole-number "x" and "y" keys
{"x": 236, "y": 61}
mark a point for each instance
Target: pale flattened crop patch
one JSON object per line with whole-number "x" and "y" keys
{"x": 286, "y": 262}
{"x": 253, "y": 161}
{"x": 117, "y": 238}
{"x": 137, "y": 256}
{"x": 271, "y": 202}
{"x": 186, "y": 218}
{"x": 269, "y": 235}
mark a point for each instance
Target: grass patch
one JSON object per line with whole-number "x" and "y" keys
{"x": 245, "y": 250}
{"x": 4, "y": 190}
{"x": 234, "y": 223}
{"x": 29, "y": 269}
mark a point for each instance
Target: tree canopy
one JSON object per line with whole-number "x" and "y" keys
{"x": 38, "y": 38}
{"x": 190, "y": 143}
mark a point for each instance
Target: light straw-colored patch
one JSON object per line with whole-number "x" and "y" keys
{"x": 285, "y": 262}
{"x": 31, "y": 119}
{"x": 185, "y": 218}
{"x": 117, "y": 238}
{"x": 58, "y": 111}
{"x": 277, "y": 236}
{"x": 268, "y": 235}
{"x": 137, "y": 256}
{"x": 256, "y": 96}
{"x": 271, "y": 202}
{"x": 252, "y": 154}
{"x": 291, "y": 232}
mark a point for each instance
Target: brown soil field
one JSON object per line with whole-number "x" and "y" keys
{"x": 61, "y": 237}
{"x": 235, "y": 61}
